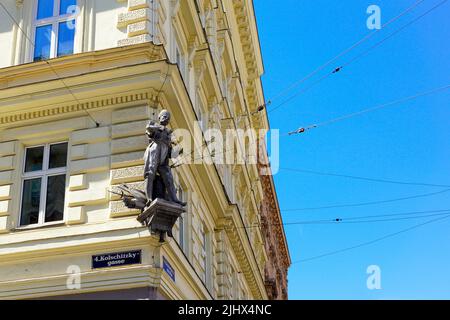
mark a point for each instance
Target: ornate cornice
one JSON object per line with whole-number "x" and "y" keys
{"x": 106, "y": 58}
{"x": 251, "y": 52}
{"x": 78, "y": 107}
{"x": 274, "y": 223}
{"x": 232, "y": 229}
{"x": 248, "y": 46}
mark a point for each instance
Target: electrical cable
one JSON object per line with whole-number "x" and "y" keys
{"x": 363, "y": 219}
{"x": 392, "y": 34}
{"x": 364, "y": 178}
{"x": 369, "y": 203}
{"x": 337, "y": 69}
{"x": 363, "y": 111}
{"x": 48, "y": 63}
{"x": 390, "y": 235}
{"x": 342, "y": 53}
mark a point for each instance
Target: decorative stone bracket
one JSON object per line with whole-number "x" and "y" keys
{"x": 161, "y": 216}
{"x": 140, "y": 21}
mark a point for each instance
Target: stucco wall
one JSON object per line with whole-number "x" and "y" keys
{"x": 7, "y": 31}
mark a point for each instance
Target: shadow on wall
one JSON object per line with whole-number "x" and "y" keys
{"x": 6, "y": 31}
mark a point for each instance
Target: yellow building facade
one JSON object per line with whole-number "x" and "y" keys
{"x": 79, "y": 80}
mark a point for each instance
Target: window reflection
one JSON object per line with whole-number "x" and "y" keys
{"x": 42, "y": 43}
{"x": 65, "y": 6}
{"x": 45, "y": 9}
{"x": 66, "y": 37}
{"x": 34, "y": 159}
{"x": 58, "y": 155}
{"x": 54, "y": 28}
{"x": 31, "y": 199}
{"x": 56, "y": 188}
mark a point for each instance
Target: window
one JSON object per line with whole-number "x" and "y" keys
{"x": 54, "y": 28}
{"x": 199, "y": 111}
{"x": 182, "y": 222}
{"x": 234, "y": 284}
{"x": 44, "y": 184}
{"x": 181, "y": 62}
{"x": 228, "y": 182}
{"x": 206, "y": 256}
{"x": 203, "y": 255}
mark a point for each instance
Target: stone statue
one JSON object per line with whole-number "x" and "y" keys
{"x": 159, "y": 205}
{"x": 156, "y": 159}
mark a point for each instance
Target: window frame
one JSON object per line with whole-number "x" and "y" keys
{"x": 204, "y": 254}
{"x": 44, "y": 174}
{"x": 182, "y": 222}
{"x": 206, "y": 250}
{"x": 54, "y": 21}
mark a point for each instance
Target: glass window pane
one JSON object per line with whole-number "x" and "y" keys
{"x": 45, "y": 9}
{"x": 34, "y": 159}
{"x": 56, "y": 190}
{"x": 66, "y": 37}
{"x": 65, "y": 7}
{"x": 181, "y": 234}
{"x": 42, "y": 43}
{"x": 31, "y": 198}
{"x": 58, "y": 156}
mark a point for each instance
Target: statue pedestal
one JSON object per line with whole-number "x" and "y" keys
{"x": 161, "y": 216}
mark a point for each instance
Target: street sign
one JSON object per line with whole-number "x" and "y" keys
{"x": 116, "y": 259}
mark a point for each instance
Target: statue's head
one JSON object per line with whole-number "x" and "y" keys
{"x": 164, "y": 117}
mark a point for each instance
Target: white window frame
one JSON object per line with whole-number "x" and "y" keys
{"x": 200, "y": 111}
{"x": 180, "y": 60}
{"x": 182, "y": 222}
{"x": 204, "y": 254}
{"x": 44, "y": 174}
{"x": 54, "y": 21}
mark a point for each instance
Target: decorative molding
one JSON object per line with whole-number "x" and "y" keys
{"x": 77, "y": 107}
{"x": 278, "y": 260}
{"x": 141, "y": 22}
{"x": 232, "y": 230}
{"x": 249, "y": 50}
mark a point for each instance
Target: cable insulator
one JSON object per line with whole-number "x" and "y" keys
{"x": 337, "y": 70}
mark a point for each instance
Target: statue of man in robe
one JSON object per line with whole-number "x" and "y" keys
{"x": 157, "y": 157}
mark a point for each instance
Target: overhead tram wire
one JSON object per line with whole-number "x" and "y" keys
{"x": 312, "y": 126}
{"x": 365, "y": 52}
{"x": 390, "y": 235}
{"x": 359, "y": 220}
{"x": 364, "y": 178}
{"x": 336, "y": 69}
{"x": 384, "y": 105}
{"x": 48, "y": 63}
{"x": 306, "y": 89}
{"x": 179, "y": 162}
{"x": 388, "y": 215}
{"x": 367, "y": 203}
{"x": 342, "y": 53}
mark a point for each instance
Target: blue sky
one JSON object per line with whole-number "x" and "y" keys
{"x": 406, "y": 142}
